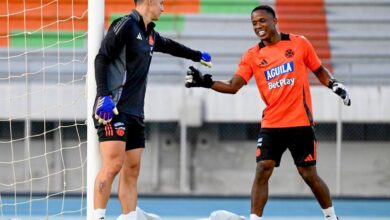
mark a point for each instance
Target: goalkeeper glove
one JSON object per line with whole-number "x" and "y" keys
{"x": 340, "y": 90}
{"x": 206, "y": 59}
{"x": 195, "y": 78}
{"x": 104, "y": 109}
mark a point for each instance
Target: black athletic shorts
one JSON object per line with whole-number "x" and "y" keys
{"x": 300, "y": 141}
{"x": 124, "y": 127}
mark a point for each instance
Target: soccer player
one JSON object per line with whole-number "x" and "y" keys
{"x": 121, "y": 71}
{"x": 279, "y": 64}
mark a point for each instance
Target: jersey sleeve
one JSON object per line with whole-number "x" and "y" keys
{"x": 244, "y": 68}
{"x": 312, "y": 60}
{"x": 166, "y": 45}
{"x": 110, "y": 49}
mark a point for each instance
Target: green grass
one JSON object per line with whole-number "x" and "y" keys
{"x": 228, "y": 6}
{"x": 48, "y": 39}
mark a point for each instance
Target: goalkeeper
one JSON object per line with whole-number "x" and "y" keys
{"x": 122, "y": 67}
{"x": 279, "y": 64}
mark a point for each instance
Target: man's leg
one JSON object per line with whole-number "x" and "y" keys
{"x": 319, "y": 189}
{"x": 317, "y": 185}
{"x": 112, "y": 156}
{"x": 259, "y": 196}
{"x": 127, "y": 189}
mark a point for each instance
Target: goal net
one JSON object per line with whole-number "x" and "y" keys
{"x": 43, "y": 56}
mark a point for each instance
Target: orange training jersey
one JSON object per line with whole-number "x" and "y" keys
{"x": 281, "y": 76}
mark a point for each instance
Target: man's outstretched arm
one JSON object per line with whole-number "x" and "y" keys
{"x": 195, "y": 78}
{"x": 323, "y": 74}
{"x": 169, "y": 46}
{"x": 232, "y": 86}
{"x": 329, "y": 81}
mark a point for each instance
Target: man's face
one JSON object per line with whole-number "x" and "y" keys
{"x": 264, "y": 24}
{"x": 156, "y": 8}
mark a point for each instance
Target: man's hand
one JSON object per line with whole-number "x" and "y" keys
{"x": 341, "y": 91}
{"x": 206, "y": 59}
{"x": 104, "y": 109}
{"x": 195, "y": 78}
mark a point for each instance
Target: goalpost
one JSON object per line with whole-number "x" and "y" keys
{"x": 49, "y": 155}
{"x": 95, "y": 36}
{"x": 43, "y": 113}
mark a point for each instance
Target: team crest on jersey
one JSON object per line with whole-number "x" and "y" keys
{"x": 289, "y": 53}
{"x": 151, "y": 40}
{"x": 279, "y": 70}
{"x": 151, "y": 44}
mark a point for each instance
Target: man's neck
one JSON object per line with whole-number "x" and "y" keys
{"x": 143, "y": 12}
{"x": 272, "y": 40}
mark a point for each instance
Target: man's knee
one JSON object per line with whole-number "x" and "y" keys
{"x": 265, "y": 166}
{"x": 308, "y": 174}
{"x": 264, "y": 170}
{"x": 132, "y": 170}
{"x": 112, "y": 169}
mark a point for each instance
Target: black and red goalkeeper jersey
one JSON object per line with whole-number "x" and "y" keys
{"x": 123, "y": 61}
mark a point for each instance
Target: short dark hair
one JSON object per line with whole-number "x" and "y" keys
{"x": 266, "y": 8}
{"x": 137, "y": 1}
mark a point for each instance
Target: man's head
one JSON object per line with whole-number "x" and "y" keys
{"x": 150, "y": 9}
{"x": 264, "y": 22}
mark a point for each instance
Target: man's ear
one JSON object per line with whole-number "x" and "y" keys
{"x": 275, "y": 21}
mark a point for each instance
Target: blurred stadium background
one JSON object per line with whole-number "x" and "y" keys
{"x": 198, "y": 142}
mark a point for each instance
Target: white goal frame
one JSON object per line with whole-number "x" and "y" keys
{"x": 95, "y": 36}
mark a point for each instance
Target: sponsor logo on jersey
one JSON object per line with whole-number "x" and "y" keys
{"x": 139, "y": 37}
{"x": 280, "y": 83}
{"x": 263, "y": 62}
{"x": 279, "y": 70}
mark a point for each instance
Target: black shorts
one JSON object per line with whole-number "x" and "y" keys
{"x": 124, "y": 127}
{"x": 300, "y": 141}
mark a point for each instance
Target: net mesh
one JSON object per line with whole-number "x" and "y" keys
{"x": 42, "y": 114}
